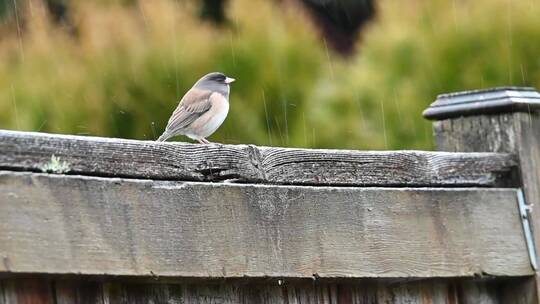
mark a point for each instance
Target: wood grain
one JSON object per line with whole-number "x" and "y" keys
{"x": 246, "y": 163}
{"x": 436, "y": 291}
{"x": 27, "y": 291}
{"x": 88, "y": 225}
{"x": 78, "y": 292}
{"x": 433, "y": 291}
{"x": 517, "y": 133}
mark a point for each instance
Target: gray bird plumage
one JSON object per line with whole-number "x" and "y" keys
{"x": 202, "y": 109}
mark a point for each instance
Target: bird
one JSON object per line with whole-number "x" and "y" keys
{"x": 202, "y": 110}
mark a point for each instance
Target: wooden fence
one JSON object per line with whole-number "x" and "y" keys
{"x": 100, "y": 220}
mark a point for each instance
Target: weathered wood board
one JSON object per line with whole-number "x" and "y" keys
{"x": 246, "y": 163}
{"x": 269, "y": 291}
{"x": 504, "y": 119}
{"x": 109, "y": 226}
{"x": 517, "y": 133}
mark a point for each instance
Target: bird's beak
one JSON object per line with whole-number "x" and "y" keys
{"x": 229, "y": 80}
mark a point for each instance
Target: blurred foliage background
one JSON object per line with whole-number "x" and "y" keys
{"x": 118, "y": 68}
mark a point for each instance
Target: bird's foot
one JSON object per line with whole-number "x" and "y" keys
{"x": 203, "y": 141}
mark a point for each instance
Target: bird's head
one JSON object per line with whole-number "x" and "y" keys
{"x": 215, "y": 78}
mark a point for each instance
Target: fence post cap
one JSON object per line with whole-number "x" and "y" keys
{"x": 485, "y": 101}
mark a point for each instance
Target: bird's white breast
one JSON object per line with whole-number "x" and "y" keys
{"x": 210, "y": 121}
{"x": 221, "y": 111}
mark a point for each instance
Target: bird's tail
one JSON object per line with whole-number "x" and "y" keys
{"x": 163, "y": 136}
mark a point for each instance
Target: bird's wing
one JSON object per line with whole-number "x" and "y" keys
{"x": 194, "y": 104}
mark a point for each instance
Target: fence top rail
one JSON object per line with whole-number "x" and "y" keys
{"x": 111, "y": 157}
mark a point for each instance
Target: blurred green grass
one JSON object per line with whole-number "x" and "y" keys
{"x": 123, "y": 71}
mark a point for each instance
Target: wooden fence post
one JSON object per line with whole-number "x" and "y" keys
{"x": 505, "y": 119}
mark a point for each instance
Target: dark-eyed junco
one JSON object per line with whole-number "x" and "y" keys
{"x": 202, "y": 110}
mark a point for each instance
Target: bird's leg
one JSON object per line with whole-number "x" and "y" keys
{"x": 205, "y": 141}
{"x": 201, "y": 141}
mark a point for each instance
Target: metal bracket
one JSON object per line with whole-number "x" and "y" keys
{"x": 524, "y": 211}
